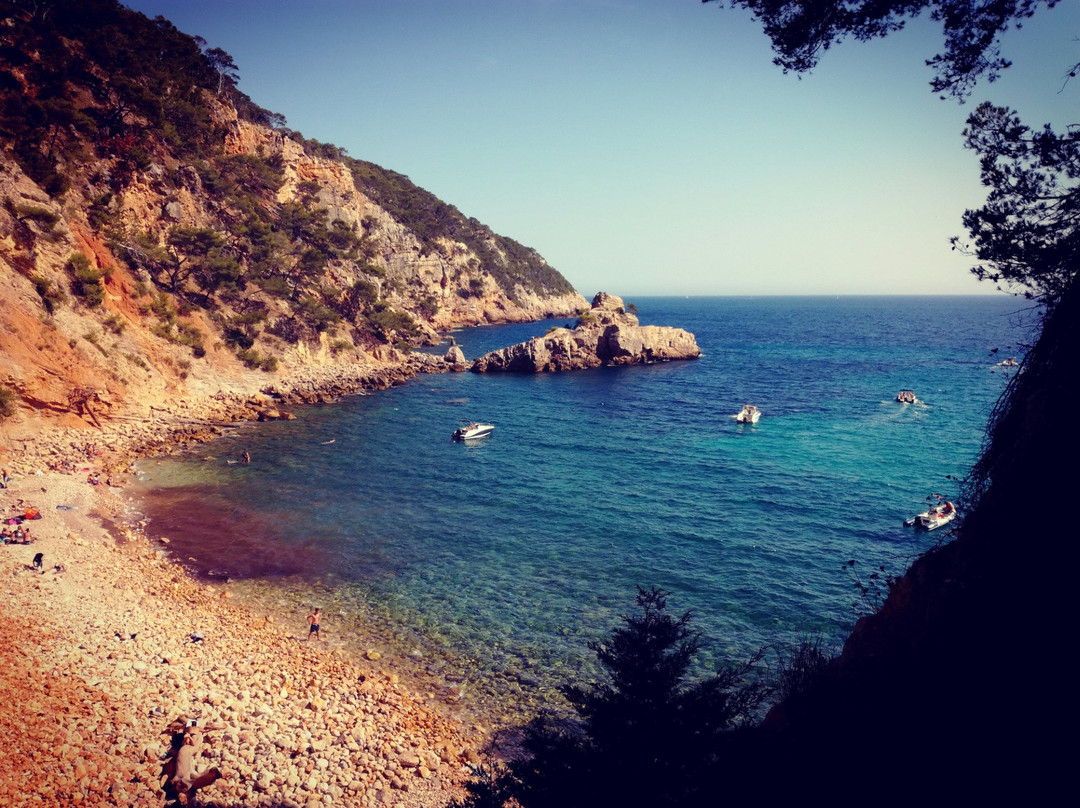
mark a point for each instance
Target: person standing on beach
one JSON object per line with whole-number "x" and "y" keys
{"x": 313, "y": 623}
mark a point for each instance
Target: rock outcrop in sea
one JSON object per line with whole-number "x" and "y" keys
{"x": 606, "y": 334}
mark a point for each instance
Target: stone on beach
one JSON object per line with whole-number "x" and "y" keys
{"x": 96, "y": 667}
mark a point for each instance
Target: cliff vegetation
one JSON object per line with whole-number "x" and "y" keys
{"x": 162, "y": 235}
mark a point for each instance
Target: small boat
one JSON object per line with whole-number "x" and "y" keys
{"x": 471, "y": 429}
{"x": 1008, "y": 363}
{"x": 749, "y": 414}
{"x": 934, "y": 517}
{"x": 907, "y": 397}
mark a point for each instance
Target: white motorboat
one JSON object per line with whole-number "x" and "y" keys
{"x": 1008, "y": 363}
{"x": 749, "y": 414}
{"x": 936, "y": 516}
{"x": 907, "y": 397}
{"x": 470, "y": 430}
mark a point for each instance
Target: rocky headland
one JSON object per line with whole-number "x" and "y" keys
{"x": 606, "y": 334}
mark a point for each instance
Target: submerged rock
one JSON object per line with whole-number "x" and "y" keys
{"x": 606, "y": 334}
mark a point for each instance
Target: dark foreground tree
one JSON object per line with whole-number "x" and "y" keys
{"x": 801, "y": 30}
{"x": 645, "y": 736}
{"x": 1026, "y": 235}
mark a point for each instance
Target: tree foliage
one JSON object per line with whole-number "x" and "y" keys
{"x": 643, "y": 737}
{"x": 1025, "y": 236}
{"x": 801, "y": 30}
{"x": 86, "y": 280}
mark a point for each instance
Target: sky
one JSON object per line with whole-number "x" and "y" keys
{"x": 650, "y": 147}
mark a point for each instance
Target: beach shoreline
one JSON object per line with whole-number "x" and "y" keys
{"x": 100, "y": 659}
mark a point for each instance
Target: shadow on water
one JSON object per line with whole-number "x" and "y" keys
{"x": 224, "y": 540}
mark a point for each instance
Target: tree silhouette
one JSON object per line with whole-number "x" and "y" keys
{"x": 1025, "y": 236}
{"x": 645, "y": 736}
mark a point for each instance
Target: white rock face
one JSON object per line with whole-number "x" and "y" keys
{"x": 605, "y": 335}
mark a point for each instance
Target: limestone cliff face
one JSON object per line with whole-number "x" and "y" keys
{"x": 605, "y": 335}
{"x": 145, "y": 261}
{"x": 450, "y": 276}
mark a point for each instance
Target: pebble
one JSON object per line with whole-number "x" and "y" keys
{"x": 102, "y": 652}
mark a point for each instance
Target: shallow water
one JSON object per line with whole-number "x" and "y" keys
{"x": 491, "y": 565}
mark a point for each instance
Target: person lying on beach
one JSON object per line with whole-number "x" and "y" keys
{"x": 180, "y": 773}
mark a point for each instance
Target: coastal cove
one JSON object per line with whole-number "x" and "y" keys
{"x": 488, "y": 567}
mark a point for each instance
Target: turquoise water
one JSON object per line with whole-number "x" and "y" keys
{"x": 495, "y": 562}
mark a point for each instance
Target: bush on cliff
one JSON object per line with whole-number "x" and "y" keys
{"x": 8, "y": 398}
{"x": 643, "y": 737}
{"x": 86, "y": 280}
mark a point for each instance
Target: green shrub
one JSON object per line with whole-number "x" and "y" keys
{"x": 94, "y": 338}
{"x": 275, "y": 285}
{"x": 86, "y": 280}
{"x": 163, "y": 308}
{"x": 316, "y": 314}
{"x": 253, "y": 359}
{"x": 43, "y": 216}
{"x": 100, "y": 213}
{"x": 427, "y": 306}
{"x": 388, "y": 320}
{"x": 137, "y": 360}
{"x": 8, "y": 397}
{"x": 190, "y": 335}
{"x": 49, "y": 292}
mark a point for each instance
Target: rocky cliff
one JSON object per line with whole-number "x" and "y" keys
{"x": 163, "y": 238}
{"x": 606, "y": 334}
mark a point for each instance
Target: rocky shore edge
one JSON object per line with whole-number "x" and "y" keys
{"x": 168, "y": 426}
{"x": 100, "y": 664}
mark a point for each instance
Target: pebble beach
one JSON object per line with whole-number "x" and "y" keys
{"x": 105, "y": 658}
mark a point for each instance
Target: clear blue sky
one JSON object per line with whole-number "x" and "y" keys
{"x": 649, "y": 146}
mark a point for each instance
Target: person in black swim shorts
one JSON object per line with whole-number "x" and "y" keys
{"x": 313, "y": 624}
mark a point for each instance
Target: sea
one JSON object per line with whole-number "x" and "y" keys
{"x": 484, "y": 572}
